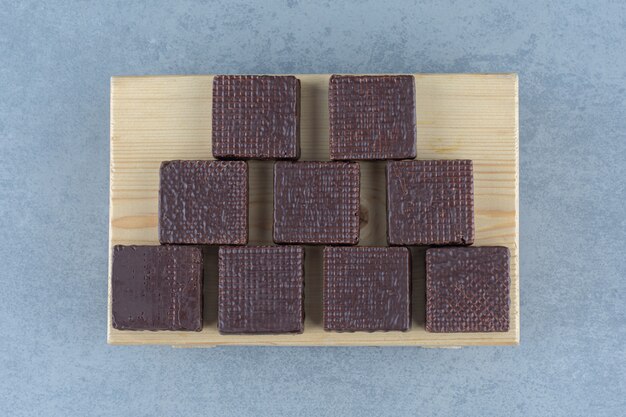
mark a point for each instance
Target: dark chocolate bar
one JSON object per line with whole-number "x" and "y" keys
{"x": 156, "y": 288}
{"x": 372, "y": 117}
{"x": 430, "y": 202}
{"x": 261, "y": 289}
{"x": 204, "y": 202}
{"x": 467, "y": 289}
{"x": 367, "y": 288}
{"x": 316, "y": 202}
{"x": 256, "y": 117}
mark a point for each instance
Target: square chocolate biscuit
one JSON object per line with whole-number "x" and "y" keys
{"x": 156, "y": 288}
{"x": 204, "y": 202}
{"x": 367, "y": 289}
{"x": 256, "y": 117}
{"x": 467, "y": 289}
{"x": 316, "y": 202}
{"x": 430, "y": 202}
{"x": 261, "y": 289}
{"x": 372, "y": 117}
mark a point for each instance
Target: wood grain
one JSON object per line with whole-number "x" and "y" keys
{"x": 460, "y": 116}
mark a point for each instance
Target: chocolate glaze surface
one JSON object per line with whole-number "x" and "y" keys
{"x": 203, "y": 202}
{"x": 256, "y": 117}
{"x": 367, "y": 288}
{"x": 157, "y": 288}
{"x": 467, "y": 289}
{"x": 372, "y": 117}
{"x": 261, "y": 289}
{"x": 430, "y": 202}
{"x": 316, "y": 202}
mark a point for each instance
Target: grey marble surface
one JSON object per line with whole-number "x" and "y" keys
{"x": 55, "y": 62}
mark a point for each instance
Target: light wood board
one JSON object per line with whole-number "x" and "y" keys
{"x": 459, "y": 116}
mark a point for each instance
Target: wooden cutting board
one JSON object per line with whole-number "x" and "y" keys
{"x": 459, "y": 116}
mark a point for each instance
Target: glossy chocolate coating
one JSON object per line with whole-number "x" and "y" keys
{"x": 430, "y": 202}
{"x": 204, "y": 202}
{"x": 261, "y": 289}
{"x": 157, "y": 288}
{"x": 367, "y": 288}
{"x": 256, "y": 117}
{"x": 316, "y": 202}
{"x": 372, "y": 117}
{"x": 467, "y": 289}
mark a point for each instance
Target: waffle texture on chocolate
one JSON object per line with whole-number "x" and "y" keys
{"x": 261, "y": 289}
{"x": 372, "y": 117}
{"x": 467, "y": 289}
{"x": 316, "y": 202}
{"x": 256, "y": 117}
{"x": 204, "y": 202}
{"x": 367, "y": 288}
{"x": 430, "y": 202}
{"x": 156, "y": 288}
